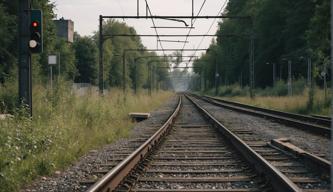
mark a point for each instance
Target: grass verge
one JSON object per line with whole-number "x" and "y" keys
{"x": 294, "y": 104}
{"x": 63, "y": 128}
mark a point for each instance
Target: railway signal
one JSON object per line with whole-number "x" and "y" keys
{"x": 36, "y": 32}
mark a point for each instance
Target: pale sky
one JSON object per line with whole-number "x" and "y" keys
{"x": 85, "y": 15}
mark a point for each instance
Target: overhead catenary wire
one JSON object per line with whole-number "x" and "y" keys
{"x": 158, "y": 38}
{"x": 220, "y": 12}
{"x": 192, "y": 23}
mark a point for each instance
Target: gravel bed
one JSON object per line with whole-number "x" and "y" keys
{"x": 197, "y": 168}
{"x": 267, "y": 130}
{"x": 188, "y": 129}
{"x": 226, "y": 185}
{"x": 83, "y": 170}
{"x": 193, "y": 175}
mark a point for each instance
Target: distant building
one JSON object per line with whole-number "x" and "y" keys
{"x": 65, "y": 29}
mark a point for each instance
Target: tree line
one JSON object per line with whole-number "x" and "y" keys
{"x": 283, "y": 31}
{"x": 79, "y": 60}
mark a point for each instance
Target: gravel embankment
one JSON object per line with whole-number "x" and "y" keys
{"x": 267, "y": 129}
{"x": 85, "y": 168}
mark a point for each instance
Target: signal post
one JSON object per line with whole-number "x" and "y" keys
{"x": 30, "y": 41}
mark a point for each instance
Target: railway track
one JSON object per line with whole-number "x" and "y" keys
{"x": 195, "y": 152}
{"x": 314, "y": 124}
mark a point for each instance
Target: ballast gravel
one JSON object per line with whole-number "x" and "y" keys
{"x": 267, "y": 129}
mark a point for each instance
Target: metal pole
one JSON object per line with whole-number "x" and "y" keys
{"x": 51, "y": 78}
{"x": 124, "y": 73}
{"x": 251, "y": 59}
{"x": 216, "y": 76}
{"x": 325, "y": 82}
{"x": 289, "y": 79}
{"x": 25, "y": 85}
{"x": 192, "y": 13}
{"x": 309, "y": 71}
{"x": 135, "y": 77}
{"x": 149, "y": 79}
{"x": 101, "y": 78}
{"x": 59, "y": 61}
{"x": 201, "y": 80}
{"x": 280, "y": 72}
{"x": 274, "y": 74}
{"x": 138, "y": 8}
{"x": 152, "y": 78}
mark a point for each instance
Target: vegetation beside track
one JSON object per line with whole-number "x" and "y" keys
{"x": 63, "y": 128}
{"x": 277, "y": 98}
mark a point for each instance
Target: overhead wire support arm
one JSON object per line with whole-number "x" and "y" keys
{"x": 162, "y": 27}
{"x": 173, "y": 35}
{"x": 178, "y": 17}
{"x": 172, "y": 41}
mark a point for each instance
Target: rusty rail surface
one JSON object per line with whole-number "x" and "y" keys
{"x": 112, "y": 179}
{"x": 278, "y": 180}
{"x": 314, "y": 125}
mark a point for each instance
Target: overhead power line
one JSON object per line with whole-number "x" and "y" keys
{"x": 192, "y": 23}
{"x": 219, "y": 13}
{"x": 158, "y": 38}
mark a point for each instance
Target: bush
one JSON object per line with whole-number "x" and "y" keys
{"x": 229, "y": 91}
{"x": 44, "y": 143}
{"x": 8, "y": 97}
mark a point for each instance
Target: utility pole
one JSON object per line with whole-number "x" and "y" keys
{"x": 274, "y": 74}
{"x": 309, "y": 71}
{"x": 124, "y": 73}
{"x": 149, "y": 78}
{"x": 25, "y": 85}
{"x": 51, "y": 77}
{"x": 216, "y": 76}
{"x": 251, "y": 62}
{"x": 101, "y": 67}
{"x": 135, "y": 77}
{"x": 202, "y": 79}
{"x": 289, "y": 79}
{"x": 324, "y": 75}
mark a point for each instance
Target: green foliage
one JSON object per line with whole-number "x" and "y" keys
{"x": 280, "y": 89}
{"x": 231, "y": 91}
{"x": 136, "y": 62}
{"x": 67, "y": 57}
{"x": 8, "y": 96}
{"x": 7, "y": 37}
{"x": 283, "y": 30}
{"x": 78, "y": 61}
{"x": 43, "y": 144}
{"x": 86, "y": 60}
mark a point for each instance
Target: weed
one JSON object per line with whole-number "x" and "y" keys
{"x": 64, "y": 127}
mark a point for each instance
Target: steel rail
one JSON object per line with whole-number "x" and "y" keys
{"x": 312, "y": 119}
{"x": 278, "y": 180}
{"x": 113, "y": 178}
{"x": 290, "y": 119}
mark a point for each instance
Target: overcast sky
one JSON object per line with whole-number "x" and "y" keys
{"x": 85, "y": 15}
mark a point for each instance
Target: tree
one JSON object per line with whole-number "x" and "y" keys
{"x": 7, "y": 37}
{"x": 283, "y": 30}
{"x": 67, "y": 56}
{"x": 86, "y": 60}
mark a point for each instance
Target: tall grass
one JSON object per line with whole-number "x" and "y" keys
{"x": 64, "y": 127}
{"x": 295, "y": 104}
{"x": 277, "y": 97}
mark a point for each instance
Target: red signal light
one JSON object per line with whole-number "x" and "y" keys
{"x": 34, "y": 24}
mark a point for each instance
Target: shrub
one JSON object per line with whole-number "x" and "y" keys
{"x": 44, "y": 143}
